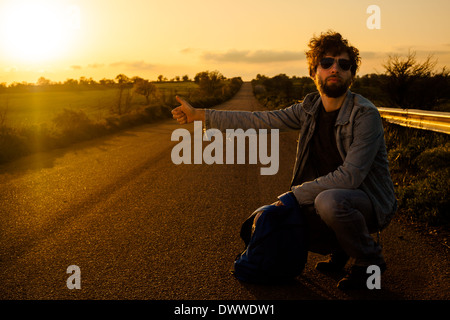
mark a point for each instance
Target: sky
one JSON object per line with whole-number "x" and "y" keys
{"x": 62, "y": 39}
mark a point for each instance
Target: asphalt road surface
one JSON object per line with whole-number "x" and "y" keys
{"x": 140, "y": 227}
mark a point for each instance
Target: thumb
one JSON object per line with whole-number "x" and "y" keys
{"x": 180, "y": 100}
{"x": 185, "y": 106}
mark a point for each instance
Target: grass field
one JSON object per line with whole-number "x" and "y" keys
{"x": 36, "y": 108}
{"x": 34, "y": 119}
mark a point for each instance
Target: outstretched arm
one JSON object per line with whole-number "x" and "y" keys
{"x": 186, "y": 113}
{"x": 284, "y": 119}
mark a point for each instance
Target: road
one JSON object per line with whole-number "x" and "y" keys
{"x": 142, "y": 228}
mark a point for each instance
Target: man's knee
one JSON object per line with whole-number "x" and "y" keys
{"x": 329, "y": 204}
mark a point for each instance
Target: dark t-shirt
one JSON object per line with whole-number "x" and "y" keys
{"x": 324, "y": 156}
{"x": 324, "y": 152}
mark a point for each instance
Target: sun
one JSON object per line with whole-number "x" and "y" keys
{"x": 34, "y": 31}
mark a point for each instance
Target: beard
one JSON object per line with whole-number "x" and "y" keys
{"x": 336, "y": 89}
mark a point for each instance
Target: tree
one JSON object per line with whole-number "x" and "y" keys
{"x": 123, "y": 81}
{"x": 71, "y": 83}
{"x": 403, "y": 74}
{"x": 43, "y": 82}
{"x": 107, "y": 82}
{"x": 260, "y": 78}
{"x": 280, "y": 84}
{"x": 209, "y": 82}
{"x": 145, "y": 88}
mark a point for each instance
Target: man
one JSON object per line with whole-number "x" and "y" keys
{"x": 341, "y": 166}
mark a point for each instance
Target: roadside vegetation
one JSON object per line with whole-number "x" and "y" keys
{"x": 44, "y": 115}
{"x": 419, "y": 160}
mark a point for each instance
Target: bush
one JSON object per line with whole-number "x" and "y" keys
{"x": 427, "y": 199}
{"x": 12, "y": 144}
{"x": 281, "y": 91}
{"x": 226, "y": 90}
{"x": 420, "y": 168}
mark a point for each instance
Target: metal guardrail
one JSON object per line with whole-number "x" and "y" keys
{"x": 420, "y": 119}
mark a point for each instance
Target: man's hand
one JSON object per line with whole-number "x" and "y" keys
{"x": 186, "y": 113}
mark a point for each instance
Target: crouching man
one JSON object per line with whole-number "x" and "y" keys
{"x": 341, "y": 169}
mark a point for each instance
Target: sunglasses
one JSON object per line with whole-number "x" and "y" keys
{"x": 344, "y": 64}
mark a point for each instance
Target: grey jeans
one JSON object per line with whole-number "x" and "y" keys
{"x": 349, "y": 213}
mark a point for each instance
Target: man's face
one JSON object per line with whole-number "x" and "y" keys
{"x": 334, "y": 81}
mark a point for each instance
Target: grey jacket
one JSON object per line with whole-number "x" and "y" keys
{"x": 360, "y": 141}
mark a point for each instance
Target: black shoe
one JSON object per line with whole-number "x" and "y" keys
{"x": 335, "y": 263}
{"x": 357, "y": 277}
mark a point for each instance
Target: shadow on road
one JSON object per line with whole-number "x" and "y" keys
{"x": 47, "y": 159}
{"x": 306, "y": 288}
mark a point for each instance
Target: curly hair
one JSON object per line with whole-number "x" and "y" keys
{"x": 332, "y": 43}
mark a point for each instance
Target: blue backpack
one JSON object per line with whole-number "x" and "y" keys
{"x": 276, "y": 243}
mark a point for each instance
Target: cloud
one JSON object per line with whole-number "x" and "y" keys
{"x": 403, "y": 52}
{"x": 95, "y": 65}
{"x": 258, "y": 56}
{"x": 135, "y": 65}
{"x": 187, "y": 50}
{"x": 421, "y": 50}
{"x": 372, "y": 54}
{"x": 76, "y": 67}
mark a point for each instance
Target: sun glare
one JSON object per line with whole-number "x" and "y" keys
{"x": 34, "y": 31}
